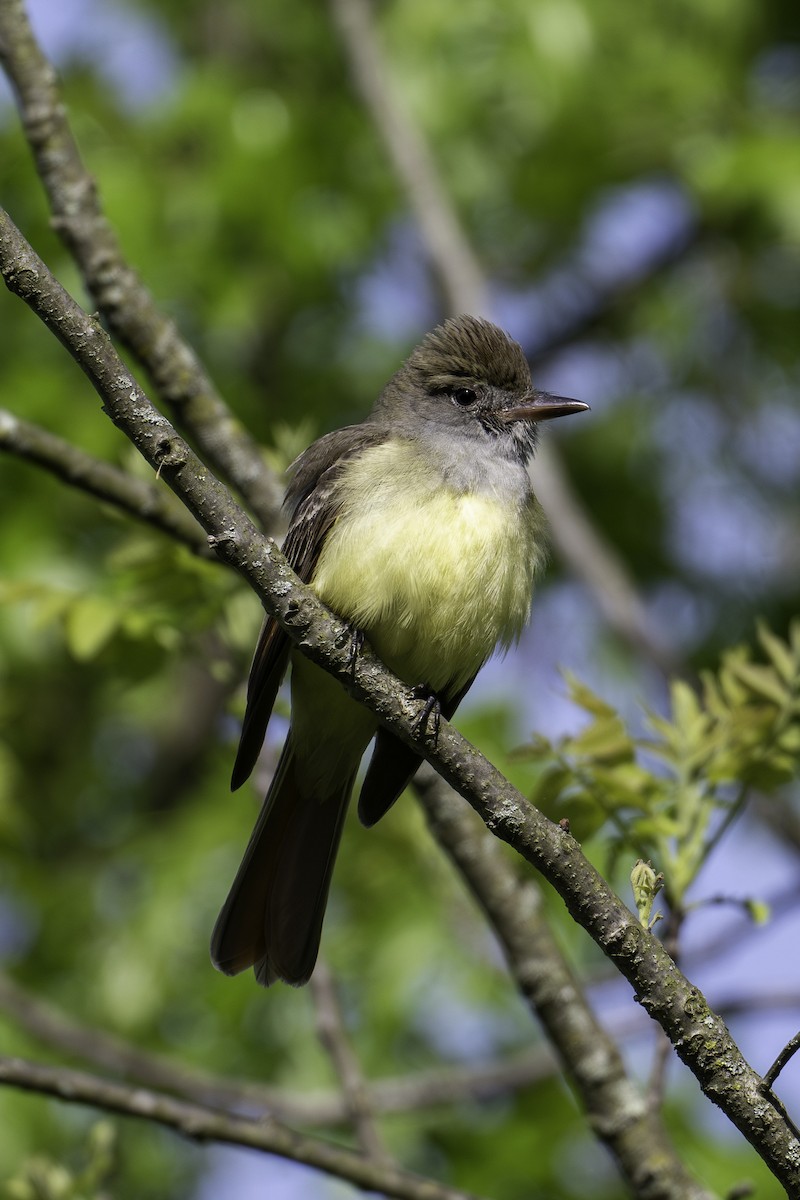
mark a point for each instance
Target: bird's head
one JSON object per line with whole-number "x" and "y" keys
{"x": 467, "y": 375}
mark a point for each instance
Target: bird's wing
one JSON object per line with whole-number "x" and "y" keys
{"x": 313, "y": 502}
{"x": 393, "y": 765}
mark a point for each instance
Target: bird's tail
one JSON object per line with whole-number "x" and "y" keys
{"x": 272, "y": 918}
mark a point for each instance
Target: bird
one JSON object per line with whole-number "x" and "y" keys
{"x": 418, "y": 527}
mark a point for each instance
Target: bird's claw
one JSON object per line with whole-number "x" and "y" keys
{"x": 431, "y": 707}
{"x": 356, "y": 646}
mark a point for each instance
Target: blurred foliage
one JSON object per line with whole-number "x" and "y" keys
{"x": 741, "y": 732}
{"x": 43, "y": 1179}
{"x": 251, "y": 191}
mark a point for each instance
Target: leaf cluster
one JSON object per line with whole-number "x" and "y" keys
{"x": 671, "y": 793}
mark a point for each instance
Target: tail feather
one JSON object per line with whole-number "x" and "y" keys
{"x": 272, "y": 918}
{"x": 391, "y": 769}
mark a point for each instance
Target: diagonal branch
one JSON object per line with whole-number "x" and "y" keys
{"x": 145, "y": 501}
{"x": 597, "y": 302}
{"x": 333, "y": 1035}
{"x": 178, "y": 375}
{"x": 617, "y": 1112}
{"x": 700, "y": 1037}
{"x": 454, "y": 261}
{"x": 207, "y": 1124}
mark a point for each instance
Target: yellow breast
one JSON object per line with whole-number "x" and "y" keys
{"x": 435, "y": 578}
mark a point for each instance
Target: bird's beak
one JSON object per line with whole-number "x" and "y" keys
{"x": 541, "y": 406}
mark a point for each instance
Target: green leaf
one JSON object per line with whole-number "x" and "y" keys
{"x": 779, "y": 652}
{"x": 735, "y": 695}
{"x": 581, "y": 808}
{"x": 763, "y": 681}
{"x": 88, "y": 624}
{"x": 549, "y": 787}
{"x": 789, "y": 740}
{"x": 669, "y": 745}
{"x": 713, "y": 698}
{"x": 627, "y": 785}
{"x": 585, "y": 698}
{"x": 685, "y": 704}
{"x": 50, "y": 606}
{"x": 605, "y": 740}
{"x": 770, "y": 773}
{"x": 656, "y": 827}
{"x": 536, "y": 748}
{"x": 794, "y": 637}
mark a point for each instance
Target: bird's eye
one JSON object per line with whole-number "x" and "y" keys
{"x": 464, "y": 396}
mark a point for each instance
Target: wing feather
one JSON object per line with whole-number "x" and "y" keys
{"x": 313, "y": 504}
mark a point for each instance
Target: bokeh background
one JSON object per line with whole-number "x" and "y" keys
{"x": 628, "y": 178}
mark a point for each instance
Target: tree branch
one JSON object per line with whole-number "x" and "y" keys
{"x": 590, "y": 557}
{"x": 145, "y": 501}
{"x": 206, "y": 1124}
{"x": 618, "y": 1114}
{"x": 129, "y": 308}
{"x": 333, "y": 1035}
{"x": 698, "y": 1034}
{"x": 448, "y": 248}
{"x": 430, "y": 1088}
{"x": 599, "y": 302}
{"x": 177, "y": 373}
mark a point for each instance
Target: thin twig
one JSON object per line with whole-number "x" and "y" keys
{"x": 737, "y": 1006}
{"x": 148, "y": 502}
{"x": 743, "y": 903}
{"x": 129, "y": 308}
{"x": 333, "y": 1035}
{"x": 701, "y": 1039}
{"x": 205, "y": 1124}
{"x": 733, "y": 813}
{"x": 657, "y": 1082}
{"x": 787, "y": 1053}
{"x": 431, "y": 1088}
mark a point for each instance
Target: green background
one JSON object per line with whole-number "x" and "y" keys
{"x": 580, "y": 144}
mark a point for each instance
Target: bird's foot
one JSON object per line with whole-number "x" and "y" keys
{"x": 356, "y": 644}
{"x": 431, "y": 708}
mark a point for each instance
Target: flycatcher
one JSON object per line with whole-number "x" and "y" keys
{"x": 419, "y": 528}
